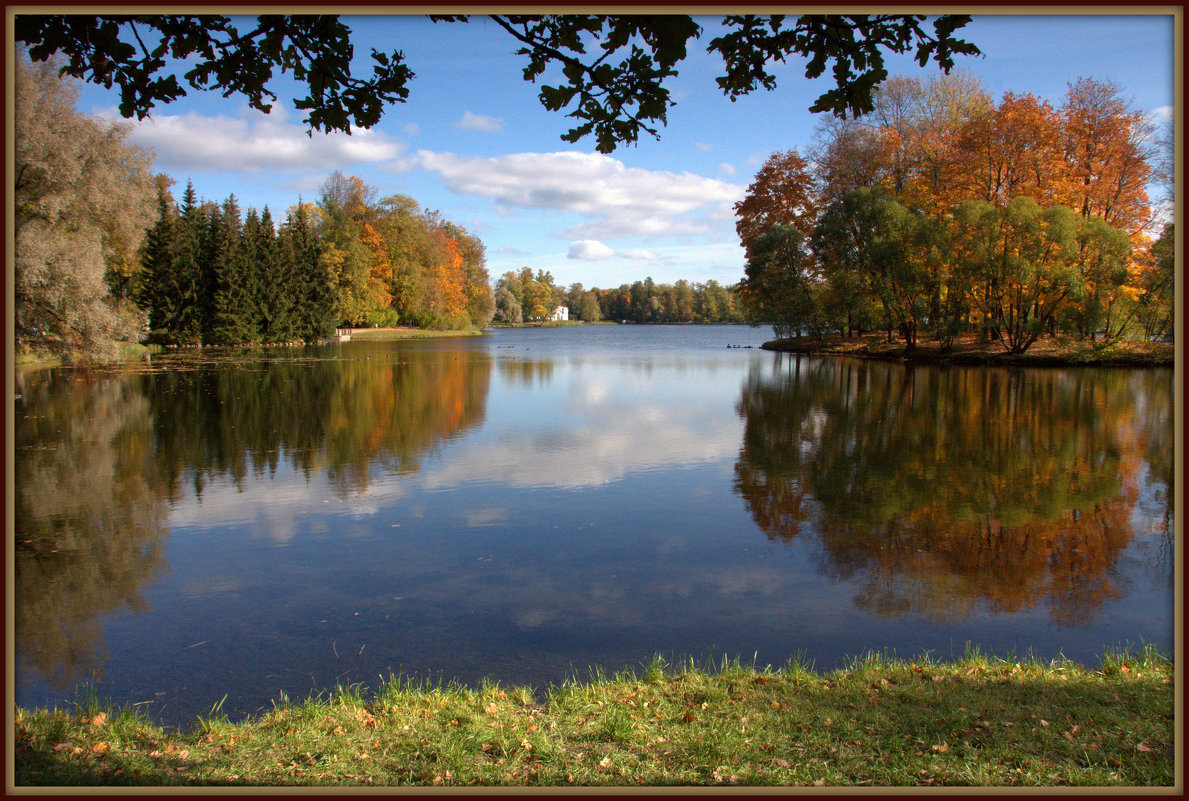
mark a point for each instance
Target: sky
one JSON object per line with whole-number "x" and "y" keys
{"x": 474, "y": 143}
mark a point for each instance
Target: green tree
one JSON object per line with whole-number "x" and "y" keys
{"x": 780, "y": 286}
{"x": 1157, "y": 300}
{"x": 82, "y": 200}
{"x": 614, "y": 67}
{"x": 314, "y": 313}
{"x": 874, "y": 248}
{"x": 184, "y": 322}
{"x": 1020, "y": 263}
{"x": 507, "y": 308}
{"x": 235, "y": 318}
{"x": 275, "y": 289}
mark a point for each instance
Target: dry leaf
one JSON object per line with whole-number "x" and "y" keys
{"x": 605, "y": 762}
{"x": 784, "y": 763}
{"x": 101, "y": 748}
{"x": 491, "y": 709}
{"x": 99, "y": 719}
{"x": 1143, "y": 748}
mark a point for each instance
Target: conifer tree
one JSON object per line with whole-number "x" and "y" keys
{"x": 235, "y": 318}
{"x": 157, "y": 262}
{"x": 273, "y": 270}
{"x": 184, "y": 318}
{"x": 314, "y": 312}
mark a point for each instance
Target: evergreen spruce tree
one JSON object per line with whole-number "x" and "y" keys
{"x": 235, "y": 318}
{"x": 273, "y": 271}
{"x": 314, "y": 312}
{"x": 184, "y": 322}
{"x": 155, "y": 281}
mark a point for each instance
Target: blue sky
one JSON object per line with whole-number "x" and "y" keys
{"x": 474, "y": 143}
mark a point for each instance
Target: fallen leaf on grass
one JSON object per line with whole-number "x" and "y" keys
{"x": 101, "y": 748}
{"x": 99, "y": 720}
{"x": 1143, "y": 748}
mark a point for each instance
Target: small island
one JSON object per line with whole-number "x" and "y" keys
{"x": 1055, "y": 351}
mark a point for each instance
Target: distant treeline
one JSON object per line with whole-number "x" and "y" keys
{"x": 210, "y": 275}
{"x": 525, "y": 297}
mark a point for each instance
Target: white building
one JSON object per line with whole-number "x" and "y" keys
{"x": 561, "y": 313}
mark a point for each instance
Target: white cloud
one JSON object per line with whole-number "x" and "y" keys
{"x": 703, "y": 146}
{"x": 480, "y": 122}
{"x": 611, "y": 431}
{"x": 726, "y": 169}
{"x": 507, "y": 250}
{"x": 1164, "y": 113}
{"x": 641, "y": 255}
{"x": 253, "y": 142}
{"x": 411, "y": 128}
{"x": 619, "y": 201}
{"x": 589, "y": 249}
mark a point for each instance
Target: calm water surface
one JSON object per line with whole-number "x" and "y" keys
{"x": 527, "y": 504}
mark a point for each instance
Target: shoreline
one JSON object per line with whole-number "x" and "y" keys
{"x": 880, "y": 721}
{"x": 1057, "y": 351}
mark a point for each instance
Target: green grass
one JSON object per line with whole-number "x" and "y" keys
{"x": 977, "y": 721}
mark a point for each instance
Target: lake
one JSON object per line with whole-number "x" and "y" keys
{"x": 527, "y": 504}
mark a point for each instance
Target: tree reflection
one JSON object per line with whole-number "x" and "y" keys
{"x": 99, "y": 457}
{"x": 343, "y": 417}
{"x": 88, "y": 522}
{"x": 945, "y": 489}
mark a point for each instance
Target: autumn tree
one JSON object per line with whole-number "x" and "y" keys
{"x": 782, "y": 193}
{"x": 1107, "y": 155}
{"x": 82, "y": 200}
{"x": 1012, "y": 150}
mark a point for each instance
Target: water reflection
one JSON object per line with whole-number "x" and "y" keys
{"x": 103, "y": 461}
{"x": 89, "y": 521}
{"x": 945, "y": 490}
{"x": 342, "y": 416}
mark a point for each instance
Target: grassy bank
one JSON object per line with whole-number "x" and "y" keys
{"x": 1047, "y": 351}
{"x": 976, "y": 721}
